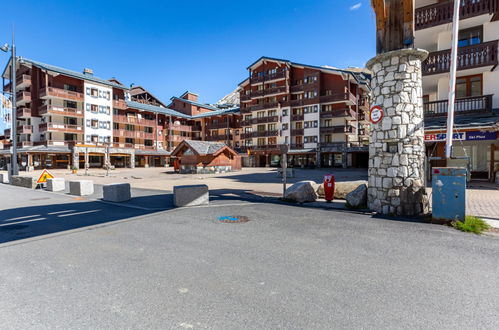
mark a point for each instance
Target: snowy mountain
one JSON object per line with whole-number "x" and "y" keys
{"x": 230, "y": 99}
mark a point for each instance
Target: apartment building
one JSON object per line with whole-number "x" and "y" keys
{"x": 67, "y": 118}
{"x": 477, "y": 85}
{"x": 317, "y": 112}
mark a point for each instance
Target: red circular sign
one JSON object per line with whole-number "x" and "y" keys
{"x": 375, "y": 114}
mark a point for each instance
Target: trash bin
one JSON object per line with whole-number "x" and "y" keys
{"x": 329, "y": 187}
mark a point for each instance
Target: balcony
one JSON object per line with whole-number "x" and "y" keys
{"x": 177, "y": 138}
{"x": 58, "y": 142}
{"x": 296, "y": 146}
{"x": 442, "y": 13}
{"x": 266, "y": 147}
{"x": 59, "y": 93}
{"x": 346, "y": 129}
{"x": 219, "y": 125}
{"x": 468, "y": 57}
{"x": 260, "y": 120}
{"x": 48, "y": 109}
{"x": 56, "y": 127}
{"x": 297, "y": 131}
{"x": 23, "y": 113}
{"x": 255, "y": 134}
{"x": 23, "y": 81}
{"x": 119, "y": 104}
{"x": 278, "y": 75}
{"x": 23, "y": 98}
{"x": 133, "y": 134}
{"x": 463, "y": 106}
{"x": 339, "y": 97}
{"x": 25, "y": 129}
{"x": 178, "y": 127}
{"x": 134, "y": 120}
{"x": 297, "y": 117}
{"x": 218, "y": 137}
{"x": 268, "y": 91}
{"x": 339, "y": 113}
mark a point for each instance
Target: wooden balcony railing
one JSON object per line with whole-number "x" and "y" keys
{"x": 297, "y": 117}
{"x": 134, "y": 120}
{"x": 56, "y": 127}
{"x": 267, "y": 77}
{"x": 178, "y": 127}
{"x": 25, "y": 129}
{"x": 55, "y": 110}
{"x": 468, "y": 57}
{"x": 23, "y": 97}
{"x": 339, "y": 113}
{"x": 467, "y": 105}
{"x": 338, "y": 97}
{"x": 349, "y": 129}
{"x": 442, "y": 13}
{"x": 134, "y": 134}
{"x": 119, "y": 104}
{"x": 259, "y": 134}
{"x": 61, "y": 93}
{"x": 219, "y": 125}
{"x": 23, "y": 80}
{"x": 265, "y": 147}
{"x": 297, "y": 131}
{"x": 23, "y": 113}
{"x": 219, "y": 137}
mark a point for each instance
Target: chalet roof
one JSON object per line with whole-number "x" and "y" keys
{"x": 66, "y": 72}
{"x": 466, "y": 121}
{"x": 202, "y": 148}
{"x": 137, "y": 90}
{"x": 39, "y": 149}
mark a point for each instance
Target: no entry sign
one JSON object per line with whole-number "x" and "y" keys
{"x": 375, "y": 114}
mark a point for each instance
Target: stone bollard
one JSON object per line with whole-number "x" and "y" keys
{"x": 56, "y": 184}
{"x": 396, "y": 147}
{"x": 191, "y": 195}
{"x": 116, "y": 192}
{"x": 23, "y": 181}
{"x": 81, "y": 187}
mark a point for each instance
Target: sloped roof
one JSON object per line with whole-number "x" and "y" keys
{"x": 171, "y": 112}
{"x": 207, "y": 106}
{"x": 202, "y": 148}
{"x": 71, "y": 73}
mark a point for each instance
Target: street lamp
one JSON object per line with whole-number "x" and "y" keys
{"x": 13, "y": 130}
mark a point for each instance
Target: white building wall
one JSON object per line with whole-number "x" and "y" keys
{"x": 312, "y": 131}
{"x": 104, "y": 114}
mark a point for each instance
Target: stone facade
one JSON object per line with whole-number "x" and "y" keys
{"x": 396, "y": 149}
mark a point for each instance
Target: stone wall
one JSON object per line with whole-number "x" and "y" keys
{"x": 396, "y": 148}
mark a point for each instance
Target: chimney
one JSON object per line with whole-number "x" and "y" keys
{"x": 88, "y": 71}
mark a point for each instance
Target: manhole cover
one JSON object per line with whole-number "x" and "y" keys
{"x": 233, "y": 219}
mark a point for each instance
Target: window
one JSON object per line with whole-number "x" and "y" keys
{"x": 148, "y": 129}
{"x": 285, "y": 126}
{"x": 129, "y": 140}
{"x": 88, "y": 122}
{"x": 469, "y": 86}
{"x": 327, "y": 108}
{"x": 260, "y": 114}
{"x": 70, "y": 121}
{"x": 94, "y": 138}
{"x": 94, "y": 108}
{"x": 311, "y": 124}
{"x": 471, "y": 36}
{"x": 69, "y": 87}
{"x": 284, "y": 112}
{"x": 148, "y": 143}
{"x": 310, "y": 139}
{"x": 94, "y": 123}
{"x": 129, "y": 127}
{"x": 70, "y": 104}
{"x": 87, "y": 105}
{"x": 94, "y": 92}
{"x": 272, "y": 127}
{"x": 116, "y": 126}
{"x": 272, "y": 113}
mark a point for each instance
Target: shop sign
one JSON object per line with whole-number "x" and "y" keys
{"x": 480, "y": 136}
{"x": 375, "y": 114}
{"x": 443, "y": 136}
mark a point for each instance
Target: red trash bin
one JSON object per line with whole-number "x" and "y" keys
{"x": 328, "y": 187}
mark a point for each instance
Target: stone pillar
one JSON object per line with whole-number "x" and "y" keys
{"x": 396, "y": 147}
{"x": 344, "y": 159}
{"x": 132, "y": 160}
{"x": 146, "y": 161}
{"x": 76, "y": 159}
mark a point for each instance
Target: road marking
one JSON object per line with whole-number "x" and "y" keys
{"x": 24, "y": 217}
{"x": 59, "y": 212}
{"x": 18, "y": 222}
{"x": 183, "y": 290}
{"x": 77, "y": 213}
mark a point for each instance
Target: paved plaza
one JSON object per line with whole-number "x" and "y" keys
{"x": 482, "y": 197}
{"x": 78, "y": 262}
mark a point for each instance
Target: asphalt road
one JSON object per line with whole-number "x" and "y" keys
{"x": 81, "y": 263}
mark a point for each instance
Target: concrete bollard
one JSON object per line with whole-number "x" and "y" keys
{"x": 56, "y": 184}
{"x": 4, "y": 178}
{"x": 191, "y": 195}
{"x": 81, "y": 187}
{"x": 23, "y": 181}
{"x": 116, "y": 192}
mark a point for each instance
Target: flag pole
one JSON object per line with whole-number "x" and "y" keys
{"x": 452, "y": 80}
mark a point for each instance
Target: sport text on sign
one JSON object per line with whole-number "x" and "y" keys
{"x": 375, "y": 114}
{"x": 44, "y": 176}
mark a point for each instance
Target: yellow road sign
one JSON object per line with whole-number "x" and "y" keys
{"x": 44, "y": 176}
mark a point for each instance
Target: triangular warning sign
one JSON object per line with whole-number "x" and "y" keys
{"x": 44, "y": 176}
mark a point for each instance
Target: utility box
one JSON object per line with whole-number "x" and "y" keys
{"x": 448, "y": 194}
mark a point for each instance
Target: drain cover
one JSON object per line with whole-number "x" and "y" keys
{"x": 233, "y": 219}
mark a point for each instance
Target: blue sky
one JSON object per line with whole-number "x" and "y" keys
{"x": 203, "y": 46}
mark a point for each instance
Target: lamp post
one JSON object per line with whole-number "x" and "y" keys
{"x": 13, "y": 131}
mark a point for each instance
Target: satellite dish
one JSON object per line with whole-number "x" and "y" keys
{"x": 176, "y": 122}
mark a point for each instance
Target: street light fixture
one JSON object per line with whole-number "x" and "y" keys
{"x": 13, "y": 131}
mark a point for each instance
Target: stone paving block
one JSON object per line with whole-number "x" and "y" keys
{"x": 23, "y": 181}
{"x": 191, "y": 195}
{"x": 116, "y": 192}
{"x": 81, "y": 187}
{"x": 56, "y": 184}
